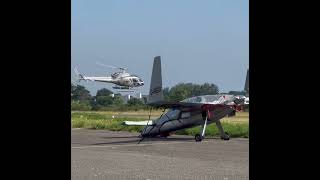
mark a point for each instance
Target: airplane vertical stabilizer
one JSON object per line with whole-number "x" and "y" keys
{"x": 155, "y": 93}
{"x": 246, "y": 86}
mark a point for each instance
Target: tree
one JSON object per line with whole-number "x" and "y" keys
{"x": 104, "y": 92}
{"x": 166, "y": 92}
{"x": 104, "y": 100}
{"x": 243, "y": 93}
{"x": 80, "y": 93}
{"x": 209, "y": 89}
{"x": 117, "y": 100}
{"x": 134, "y": 102}
{"x": 179, "y": 92}
{"x": 73, "y": 87}
{"x": 185, "y": 90}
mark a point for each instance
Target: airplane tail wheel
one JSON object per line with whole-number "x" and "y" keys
{"x": 198, "y": 137}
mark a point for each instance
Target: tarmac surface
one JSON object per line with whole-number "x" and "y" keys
{"x": 102, "y": 154}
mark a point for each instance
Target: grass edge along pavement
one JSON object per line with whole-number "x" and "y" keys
{"x": 92, "y": 120}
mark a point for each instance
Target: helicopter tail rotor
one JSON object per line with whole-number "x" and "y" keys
{"x": 79, "y": 76}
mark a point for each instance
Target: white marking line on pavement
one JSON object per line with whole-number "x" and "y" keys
{"x": 113, "y": 146}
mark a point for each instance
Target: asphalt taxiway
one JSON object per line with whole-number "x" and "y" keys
{"x": 102, "y": 154}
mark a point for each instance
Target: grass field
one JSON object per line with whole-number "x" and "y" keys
{"x": 237, "y": 126}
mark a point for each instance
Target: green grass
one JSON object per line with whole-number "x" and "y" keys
{"x": 237, "y": 126}
{"x": 233, "y": 129}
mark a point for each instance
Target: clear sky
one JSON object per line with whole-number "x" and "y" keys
{"x": 198, "y": 41}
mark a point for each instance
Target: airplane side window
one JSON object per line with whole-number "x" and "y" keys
{"x": 174, "y": 114}
{"x": 185, "y": 115}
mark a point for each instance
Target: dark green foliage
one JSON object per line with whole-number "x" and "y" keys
{"x": 80, "y": 93}
{"x": 104, "y": 100}
{"x": 237, "y": 93}
{"x": 104, "y": 92}
{"x": 80, "y": 106}
{"x": 233, "y": 129}
{"x": 185, "y": 90}
{"x": 117, "y": 100}
{"x": 166, "y": 93}
{"x": 134, "y": 102}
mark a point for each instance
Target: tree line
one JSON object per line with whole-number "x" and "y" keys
{"x": 81, "y": 99}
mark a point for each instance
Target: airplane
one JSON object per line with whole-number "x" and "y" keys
{"x": 191, "y": 112}
{"x": 121, "y": 79}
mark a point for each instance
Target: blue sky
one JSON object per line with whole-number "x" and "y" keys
{"x": 198, "y": 41}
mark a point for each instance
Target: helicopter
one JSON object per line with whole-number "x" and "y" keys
{"x": 121, "y": 78}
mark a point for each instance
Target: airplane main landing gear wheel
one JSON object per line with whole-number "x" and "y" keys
{"x": 198, "y": 137}
{"x": 226, "y": 137}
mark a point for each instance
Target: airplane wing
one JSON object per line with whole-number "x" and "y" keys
{"x": 203, "y": 106}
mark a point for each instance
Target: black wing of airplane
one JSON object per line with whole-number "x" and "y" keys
{"x": 202, "y": 106}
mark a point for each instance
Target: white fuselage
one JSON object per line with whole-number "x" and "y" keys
{"x": 127, "y": 81}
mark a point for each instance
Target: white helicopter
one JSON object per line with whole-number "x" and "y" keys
{"x": 121, "y": 79}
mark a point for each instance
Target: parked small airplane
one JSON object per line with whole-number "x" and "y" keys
{"x": 199, "y": 110}
{"x": 121, "y": 78}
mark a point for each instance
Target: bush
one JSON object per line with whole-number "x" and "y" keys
{"x": 79, "y": 106}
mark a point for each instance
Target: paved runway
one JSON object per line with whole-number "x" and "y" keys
{"x": 102, "y": 154}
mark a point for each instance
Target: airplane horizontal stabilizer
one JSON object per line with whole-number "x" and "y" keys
{"x": 137, "y": 123}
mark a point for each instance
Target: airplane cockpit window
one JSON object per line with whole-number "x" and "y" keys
{"x": 171, "y": 114}
{"x": 212, "y": 98}
{"x": 193, "y": 100}
{"x": 135, "y": 80}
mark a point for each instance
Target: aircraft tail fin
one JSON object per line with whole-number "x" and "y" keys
{"x": 155, "y": 93}
{"x": 246, "y": 86}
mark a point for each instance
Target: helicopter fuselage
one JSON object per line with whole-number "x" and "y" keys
{"x": 121, "y": 78}
{"x": 126, "y": 81}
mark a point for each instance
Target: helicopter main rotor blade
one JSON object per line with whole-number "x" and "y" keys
{"x": 100, "y": 64}
{"x": 114, "y": 67}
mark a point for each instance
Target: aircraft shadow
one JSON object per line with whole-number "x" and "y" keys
{"x": 120, "y": 137}
{"x": 148, "y": 139}
{"x": 135, "y": 141}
